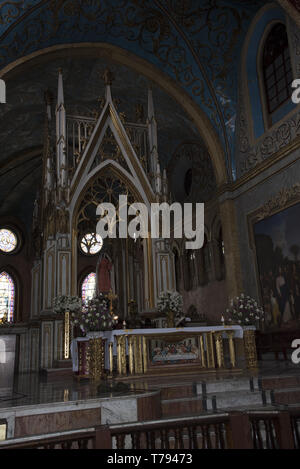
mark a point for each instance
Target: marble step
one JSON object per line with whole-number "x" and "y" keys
{"x": 236, "y": 399}
{"x": 52, "y": 374}
{"x": 227, "y": 385}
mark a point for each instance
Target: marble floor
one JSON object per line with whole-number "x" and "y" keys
{"x": 32, "y": 389}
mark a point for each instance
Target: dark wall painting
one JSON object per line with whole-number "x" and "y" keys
{"x": 277, "y": 241}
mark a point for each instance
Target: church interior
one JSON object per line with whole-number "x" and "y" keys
{"x": 136, "y": 342}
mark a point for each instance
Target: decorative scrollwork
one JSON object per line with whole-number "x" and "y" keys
{"x": 279, "y": 202}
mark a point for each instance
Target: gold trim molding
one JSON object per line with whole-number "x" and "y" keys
{"x": 284, "y": 199}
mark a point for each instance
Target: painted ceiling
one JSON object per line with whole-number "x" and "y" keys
{"x": 197, "y": 43}
{"x": 22, "y": 119}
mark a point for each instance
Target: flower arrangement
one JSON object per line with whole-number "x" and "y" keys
{"x": 245, "y": 311}
{"x": 171, "y": 304}
{"x": 170, "y": 301}
{"x": 94, "y": 316}
{"x": 64, "y": 303}
{"x": 4, "y": 321}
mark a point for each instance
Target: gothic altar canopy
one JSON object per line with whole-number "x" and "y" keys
{"x": 97, "y": 159}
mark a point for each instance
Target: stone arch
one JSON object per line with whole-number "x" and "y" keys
{"x": 118, "y": 172}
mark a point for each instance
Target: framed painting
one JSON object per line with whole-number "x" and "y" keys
{"x": 276, "y": 239}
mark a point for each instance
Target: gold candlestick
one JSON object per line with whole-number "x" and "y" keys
{"x": 111, "y": 359}
{"x": 111, "y": 296}
{"x": 67, "y": 335}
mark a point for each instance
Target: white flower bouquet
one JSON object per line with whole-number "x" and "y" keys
{"x": 64, "y": 303}
{"x": 170, "y": 304}
{"x": 244, "y": 311}
{"x": 170, "y": 301}
{"x": 94, "y": 316}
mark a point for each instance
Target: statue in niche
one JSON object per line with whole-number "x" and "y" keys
{"x": 63, "y": 220}
{"x": 104, "y": 273}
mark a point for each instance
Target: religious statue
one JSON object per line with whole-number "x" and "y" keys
{"x": 62, "y": 220}
{"x": 103, "y": 274}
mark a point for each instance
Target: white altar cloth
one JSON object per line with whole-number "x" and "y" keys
{"x": 110, "y": 336}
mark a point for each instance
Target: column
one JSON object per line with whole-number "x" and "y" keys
{"x": 232, "y": 249}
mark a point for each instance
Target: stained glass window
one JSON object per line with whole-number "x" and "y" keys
{"x": 7, "y": 296}
{"x": 88, "y": 288}
{"x": 8, "y": 240}
{"x": 91, "y": 243}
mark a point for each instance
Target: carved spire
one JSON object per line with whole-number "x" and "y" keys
{"x": 158, "y": 182}
{"x": 60, "y": 91}
{"x": 48, "y": 96}
{"x": 47, "y": 156}
{"x": 108, "y": 77}
{"x": 152, "y": 133}
{"x": 165, "y": 188}
{"x": 61, "y": 158}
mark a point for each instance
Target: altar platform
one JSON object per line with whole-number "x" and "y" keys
{"x": 38, "y": 407}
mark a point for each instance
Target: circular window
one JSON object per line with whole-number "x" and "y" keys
{"x": 8, "y": 240}
{"x": 91, "y": 243}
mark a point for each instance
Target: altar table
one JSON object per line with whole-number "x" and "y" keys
{"x": 140, "y": 351}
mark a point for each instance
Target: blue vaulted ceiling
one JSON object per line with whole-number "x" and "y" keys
{"x": 196, "y": 42}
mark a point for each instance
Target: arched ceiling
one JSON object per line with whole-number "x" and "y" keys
{"x": 196, "y": 42}
{"x": 22, "y": 119}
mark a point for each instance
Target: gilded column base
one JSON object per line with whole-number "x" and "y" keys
{"x": 250, "y": 349}
{"x": 219, "y": 349}
{"x": 230, "y": 335}
{"x": 97, "y": 353}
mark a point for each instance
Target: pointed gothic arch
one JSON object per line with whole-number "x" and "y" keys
{"x": 91, "y": 193}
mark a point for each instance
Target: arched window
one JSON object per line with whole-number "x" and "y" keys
{"x": 88, "y": 287}
{"x": 7, "y": 296}
{"x": 277, "y": 69}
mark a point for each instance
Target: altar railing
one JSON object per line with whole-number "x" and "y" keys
{"x": 233, "y": 430}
